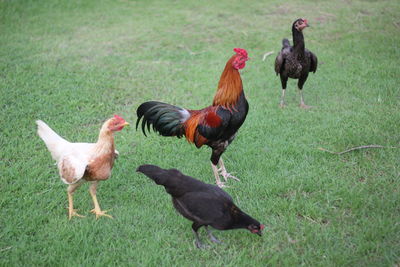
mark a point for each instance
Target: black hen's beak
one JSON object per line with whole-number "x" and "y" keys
{"x": 259, "y": 233}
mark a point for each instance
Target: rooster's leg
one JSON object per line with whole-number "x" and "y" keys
{"x": 226, "y": 175}
{"x": 70, "y": 191}
{"x": 216, "y": 174}
{"x": 211, "y": 236}
{"x": 96, "y": 210}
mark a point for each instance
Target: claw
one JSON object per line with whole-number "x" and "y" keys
{"x": 100, "y": 213}
{"x": 226, "y": 175}
{"x": 73, "y": 212}
{"x": 221, "y": 185}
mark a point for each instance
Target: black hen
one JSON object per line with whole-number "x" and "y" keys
{"x": 295, "y": 61}
{"x": 202, "y": 203}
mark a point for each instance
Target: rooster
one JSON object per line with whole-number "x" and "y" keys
{"x": 295, "y": 61}
{"x": 203, "y": 204}
{"x": 80, "y": 162}
{"x": 215, "y": 126}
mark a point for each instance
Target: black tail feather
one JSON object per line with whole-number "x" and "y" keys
{"x": 174, "y": 182}
{"x": 165, "y": 118}
{"x": 154, "y": 172}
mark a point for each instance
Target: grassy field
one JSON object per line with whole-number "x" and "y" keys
{"x": 73, "y": 64}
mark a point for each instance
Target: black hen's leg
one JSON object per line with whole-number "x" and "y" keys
{"x": 284, "y": 80}
{"x": 211, "y": 236}
{"x": 300, "y": 84}
{"x": 198, "y": 243}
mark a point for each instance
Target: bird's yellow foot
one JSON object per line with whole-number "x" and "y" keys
{"x": 100, "y": 213}
{"x": 72, "y": 212}
{"x": 282, "y": 105}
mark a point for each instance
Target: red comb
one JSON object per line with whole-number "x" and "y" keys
{"x": 306, "y": 21}
{"x": 241, "y": 52}
{"x": 118, "y": 118}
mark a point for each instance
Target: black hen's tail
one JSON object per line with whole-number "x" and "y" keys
{"x": 166, "y": 119}
{"x": 175, "y": 182}
{"x": 285, "y": 43}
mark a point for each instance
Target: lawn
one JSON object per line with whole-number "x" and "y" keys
{"x": 73, "y": 64}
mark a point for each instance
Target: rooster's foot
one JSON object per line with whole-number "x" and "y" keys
{"x": 100, "y": 213}
{"x": 282, "y": 105}
{"x": 221, "y": 185}
{"x": 226, "y": 175}
{"x": 72, "y": 212}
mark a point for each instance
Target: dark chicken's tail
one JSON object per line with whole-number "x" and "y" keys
{"x": 157, "y": 174}
{"x": 285, "y": 43}
{"x": 166, "y": 119}
{"x": 175, "y": 182}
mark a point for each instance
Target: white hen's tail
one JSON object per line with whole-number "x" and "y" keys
{"x": 55, "y": 143}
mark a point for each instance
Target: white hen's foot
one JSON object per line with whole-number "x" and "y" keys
{"x": 100, "y": 213}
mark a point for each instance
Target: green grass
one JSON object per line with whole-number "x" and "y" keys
{"x": 75, "y": 63}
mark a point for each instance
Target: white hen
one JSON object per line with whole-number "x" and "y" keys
{"x": 80, "y": 162}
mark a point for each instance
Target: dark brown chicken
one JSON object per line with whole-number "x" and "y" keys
{"x": 295, "y": 61}
{"x": 203, "y": 204}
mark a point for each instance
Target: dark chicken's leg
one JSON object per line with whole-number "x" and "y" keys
{"x": 300, "y": 84}
{"x": 211, "y": 236}
{"x": 282, "y": 104}
{"x": 70, "y": 191}
{"x": 198, "y": 243}
{"x": 283, "y": 82}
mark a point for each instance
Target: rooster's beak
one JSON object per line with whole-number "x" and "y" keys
{"x": 125, "y": 124}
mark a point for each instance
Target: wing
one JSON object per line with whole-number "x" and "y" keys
{"x": 313, "y": 62}
{"x": 73, "y": 163}
{"x": 214, "y": 122}
{"x": 72, "y": 168}
{"x": 204, "y": 207}
{"x": 279, "y": 62}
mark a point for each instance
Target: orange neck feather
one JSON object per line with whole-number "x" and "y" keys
{"x": 229, "y": 87}
{"x": 105, "y": 143}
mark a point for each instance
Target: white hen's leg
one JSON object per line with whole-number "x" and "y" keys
{"x": 96, "y": 210}
{"x": 70, "y": 191}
